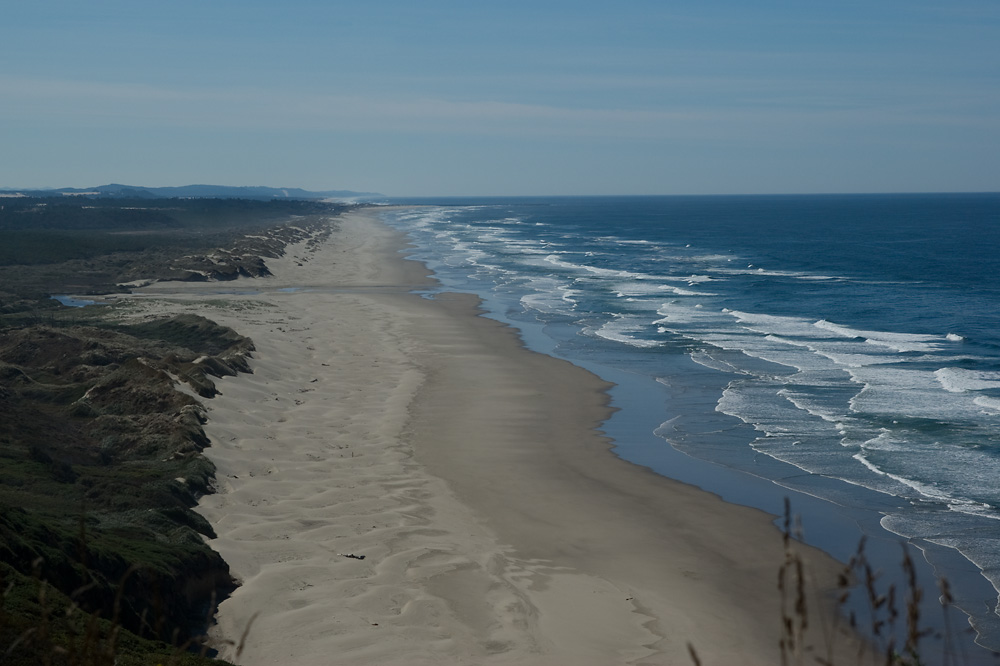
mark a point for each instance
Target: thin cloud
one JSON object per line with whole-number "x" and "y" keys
{"x": 750, "y": 108}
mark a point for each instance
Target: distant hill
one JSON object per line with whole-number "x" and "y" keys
{"x": 196, "y": 191}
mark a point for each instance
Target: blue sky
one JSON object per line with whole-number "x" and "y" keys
{"x": 475, "y": 98}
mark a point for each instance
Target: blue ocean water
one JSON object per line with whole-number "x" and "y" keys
{"x": 844, "y": 347}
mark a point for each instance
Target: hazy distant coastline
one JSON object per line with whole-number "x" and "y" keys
{"x": 189, "y": 191}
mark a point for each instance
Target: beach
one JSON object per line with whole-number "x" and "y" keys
{"x": 401, "y": 482}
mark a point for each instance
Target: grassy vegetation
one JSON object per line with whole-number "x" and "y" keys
{"x": 100, "y": 465}
{"x": 90, "y": 246}
{"x": 144, "y": 215}
{"x": 33, "y": 247}
{"x": 39, "y": 624}
{"x": 893, "y": 629}
{"x": 102, "y": 559}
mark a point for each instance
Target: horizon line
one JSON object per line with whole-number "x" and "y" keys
{"x": 518, "y": 196}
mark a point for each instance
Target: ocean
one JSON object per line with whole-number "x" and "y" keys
{"x": 839, "y": 350}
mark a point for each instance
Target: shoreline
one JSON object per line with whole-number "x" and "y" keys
{"x": 495, "y": 524}
{"x": 834, "y": 526}
{"x": 836, "y": 515}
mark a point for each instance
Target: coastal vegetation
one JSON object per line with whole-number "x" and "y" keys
{"x": 99, "y": 246}
{"x": 102, "y": 559}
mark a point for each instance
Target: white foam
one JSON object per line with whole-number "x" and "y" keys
{"x": 713, "y": 259}
{"x": 604, "y": 272}
{"x": 991, "y": 405}
{"x": 824, "y": 412}
{"x": 676, "y": 313}
{"x": 764, "y": 272}
{"x": 549, "y": 295}
{"x": 960, "y": 380}
{"x": 618, "y": 329}
{"x": 846, "y": 353}
{"x": 895, "y": 391}
{"x": 974, "y": 508}
{"x": 754, "y": 403}
{"x": 685, "y": 292}
{"x": 652, "y": 285}
{"x": 775, "y": 324}
{"x": 638, "y": 288}
{"x": 885, "y": 441}
{"x": 707, "y": 360}
{"x": 901, "y": 342}
{"x": 860, "y": 457}
{"x": 929, "y": 491}
{"x": 923, "y": 490}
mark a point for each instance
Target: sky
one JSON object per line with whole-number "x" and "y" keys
{"x": 539, "y": 97}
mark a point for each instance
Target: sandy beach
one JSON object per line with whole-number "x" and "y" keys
{"x": 401, "y": 482}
